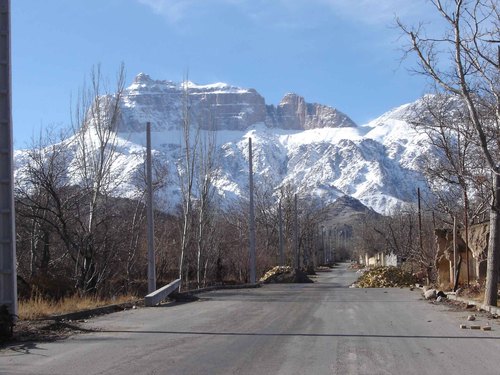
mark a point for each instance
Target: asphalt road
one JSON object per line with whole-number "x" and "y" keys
{"x": 320, "y": 328}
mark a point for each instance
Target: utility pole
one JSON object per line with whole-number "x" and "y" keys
{"x": 330, "y": 253}
{"x": 296, "y": 234}
{"x": 280, "y": 219}
{"x": 252, "y": 216}
{"x": 466, "y": 223}
{"x": 151, "y": 246}
{"x": 323, "y": 244}
{"x": 8, "y": 278}
{"x": 454, "y": 250}
{"x": 420, "y": 222}
{"x": 332, "y": 247}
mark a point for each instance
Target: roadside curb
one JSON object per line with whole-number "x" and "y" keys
{"x": 188, "y": 293}
{"x": 452, "y": 296}
{"x": 491, "y": 309}
{"x": 108, "y": 309}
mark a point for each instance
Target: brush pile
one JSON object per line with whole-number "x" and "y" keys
{"x": 284, "y": 274}
{"x": 385, "y": 277}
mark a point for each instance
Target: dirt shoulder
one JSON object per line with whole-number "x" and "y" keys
{"x": 58, "y": 327}
{"x": 43, "y": 330}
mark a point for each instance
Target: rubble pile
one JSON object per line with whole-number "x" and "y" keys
{"x": 273, "y": 272}
{"x": 385, "y": 277}
{"x": 284, "y": 274}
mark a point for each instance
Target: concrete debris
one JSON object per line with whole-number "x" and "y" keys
{"x": 430, "y": 294}
{"x": 471, "y": 318}
{"x": 484, "y": 328}
{"x": 441, "y": 294}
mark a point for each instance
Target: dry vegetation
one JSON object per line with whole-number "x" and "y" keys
{"x": 39, "y": 307}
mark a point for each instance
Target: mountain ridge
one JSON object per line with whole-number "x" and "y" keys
{"x": 316, "y": 149}
{"x": 218, "y": 106}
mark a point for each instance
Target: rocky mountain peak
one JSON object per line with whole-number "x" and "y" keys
{"x": 218, "y": 106}
{"x": 293, "y": 112}
{"x": 142, "y": 78}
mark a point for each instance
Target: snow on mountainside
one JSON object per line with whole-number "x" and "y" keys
{"x": 314, "y": 148}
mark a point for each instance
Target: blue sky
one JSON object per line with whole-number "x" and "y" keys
{"x": 343, "y": 53}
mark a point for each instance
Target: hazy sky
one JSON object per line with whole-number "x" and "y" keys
{"x": 342, "y": 53}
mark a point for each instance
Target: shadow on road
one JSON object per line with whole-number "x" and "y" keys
{"x": 342, "y": 335}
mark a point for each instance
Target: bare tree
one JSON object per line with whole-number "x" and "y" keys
{"x": 95, "y": 120}
{"x": 187, "y": 173}
{"x": 410, "y": 238}
{"x": 460, "y": 165}
{"x": 43, "y": 201}
{"x": 471, "y": 52}
{"x": 206, "y": 207}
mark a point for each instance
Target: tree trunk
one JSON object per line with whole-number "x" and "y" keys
{"x": 491, "y": 288}
{"x": 457, "y": 273}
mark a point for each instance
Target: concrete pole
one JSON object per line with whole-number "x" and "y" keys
{"x": 329, "y": 247}
{"x": 331, "y": 237}
{"x": 251, "y": 216}
{"x": 296, "y": 234}
{"x": 420, "y": 237}
{"x": 466, "y": 223}
{"x": 280, "y": 219}
{"x": 8, "y": 278}
{"x": 323, "y": 244}
{"x": 150, "y": 233}
{"x": 454, "y": 249}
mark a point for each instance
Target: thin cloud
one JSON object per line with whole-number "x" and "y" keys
{"x": 368, "y": 12}
{"x": 375, "y": 12}
{"x": 172, "y": 10}
{"x": 176, "y": 11}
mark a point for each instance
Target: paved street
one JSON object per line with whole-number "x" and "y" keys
{"x": 320, "y": 328}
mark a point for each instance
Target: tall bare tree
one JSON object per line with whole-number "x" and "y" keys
{"x": 465, "y": 62}
{"x": 187, "y": 173}
{"x": 95, "y": 120}
{"x": 206, "y": 208}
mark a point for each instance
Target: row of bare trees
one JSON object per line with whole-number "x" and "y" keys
{"x": 64, "y": 189}
{"x": 462, "y": 123}
{"x": 463, "y": 118}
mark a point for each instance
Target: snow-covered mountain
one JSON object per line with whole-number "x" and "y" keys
{"x": 317, "y": 150}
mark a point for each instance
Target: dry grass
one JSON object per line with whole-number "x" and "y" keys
{"x": 38, "y": 307}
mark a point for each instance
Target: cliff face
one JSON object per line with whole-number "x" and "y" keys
{"x": 219, "y": 107}
{"x": 293, "y": 112}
